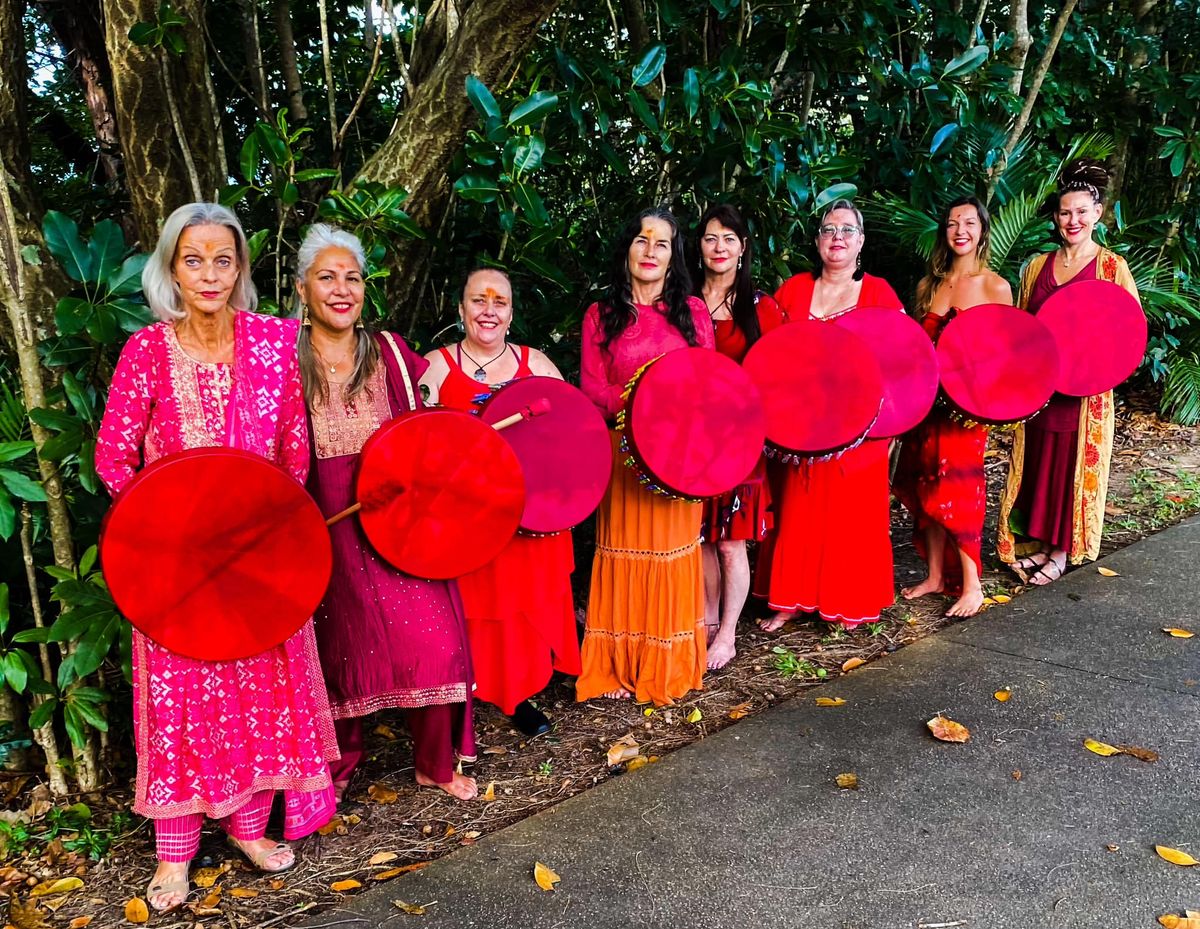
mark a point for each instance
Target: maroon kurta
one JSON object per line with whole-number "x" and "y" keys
{"x": 386, "y": 639}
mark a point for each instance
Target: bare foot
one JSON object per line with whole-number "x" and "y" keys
{"x": 274, "y": 862}
{"x": 968, "y": 604}
{"x": 710, "y": 633}
{"x": 720, "y": 652}
{"x": 171, "y": 879}
{"x": 927, "y": 586}
{"x": 339, "y": 790}
{"x": 619, "y": 694}
{"x": 776, "y": 622}
{"x": 459, "y": 786}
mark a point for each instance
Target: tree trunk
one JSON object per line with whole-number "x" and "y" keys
{"x": 77, "y": 26}
{"x": 254, "y": 60}
{"x": 1035, "y": 86}
{"x": 429, "y": 132}
{"x": 1018, "y": 28}
{"x": 297, "y": 111}
{"x": 635, "y": 24}
{"x": 154, "y": 92}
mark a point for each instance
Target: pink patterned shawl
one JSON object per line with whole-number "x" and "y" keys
{"x": 210, "y": 734}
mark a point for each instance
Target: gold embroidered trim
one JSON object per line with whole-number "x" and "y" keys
{"x": 191, "y": 391}
{"x": 646, "y": 637}
{"x": 408, "y": 387}
{"x": 341, "y": 427}
{"x": 407, "y": 699}
{"x": 639, "y": 555}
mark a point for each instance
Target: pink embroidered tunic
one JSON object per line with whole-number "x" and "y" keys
{"x": 211, "y": 734}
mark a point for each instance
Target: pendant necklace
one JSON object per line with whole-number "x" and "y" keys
{"x": 333, "y": 365}
{"x": 480, "y": 374}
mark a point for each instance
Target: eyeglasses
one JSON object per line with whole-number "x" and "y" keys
{"x": 847, "y": 232}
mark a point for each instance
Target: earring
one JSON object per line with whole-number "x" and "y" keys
{"x": 360, "y": 324}
{"x": 304, "y": 320}
{"x": 858, "y": 262}
{"x": 739, "y": 267}
{"x": 461, "y": 326}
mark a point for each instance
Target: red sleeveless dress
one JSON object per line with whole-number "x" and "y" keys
{"x": 519, "y": 608}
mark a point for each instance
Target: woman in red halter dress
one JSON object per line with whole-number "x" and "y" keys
{"x": 519, "y": 607}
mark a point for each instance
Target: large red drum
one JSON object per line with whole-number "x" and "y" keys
{"x": 821, "y": 387}
{"x": 1101, "y": 334}
{"x": 693, "y": 425}
{"x": 441, "y": 492}
{"x": 565, "y": 453}
{"x": 215, "y": 553}
{"x": 998, "y": 364}
{"x": 907, "y": 361}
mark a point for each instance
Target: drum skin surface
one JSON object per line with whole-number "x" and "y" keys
{"x": 441, "y": 492}
{"x": 907, "y": 362}
{"x": 215, "y": 553}
{"x": 1101, "y": 332}
{"x": 565, "y": 453}
{"x": 998, "y": 364}
{"x": 821, "y": 386}
{"x": 694, "y": 423}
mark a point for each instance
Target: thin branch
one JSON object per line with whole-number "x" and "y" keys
{"x": 362, "y": 95}
{"x": 327, "y": 57}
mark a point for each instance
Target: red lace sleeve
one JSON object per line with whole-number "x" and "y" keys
{"x": 593, "y": 372}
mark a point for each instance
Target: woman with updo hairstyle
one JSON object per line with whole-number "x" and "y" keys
{"x": 216, "y": 739}
{"x": 741, "y": 313}
{"x": 645, "y": 616}
{"x": 1052, "y": 510}
{"x": 387, "y": 640}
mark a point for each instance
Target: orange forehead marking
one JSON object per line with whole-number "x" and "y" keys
{"x": 649, "y": 236}
{"x": 490, "y": 293}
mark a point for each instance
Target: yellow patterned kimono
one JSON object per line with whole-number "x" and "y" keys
{"x": 1092, "y": 453}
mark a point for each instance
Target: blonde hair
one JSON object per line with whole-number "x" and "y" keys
{"x": 158, "y": 279}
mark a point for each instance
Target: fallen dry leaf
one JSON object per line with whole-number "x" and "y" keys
{"x": 848, "y": 781}
{"x": 382, "y": 858}
{"x": 634, "y": 763}
{"x": 328, "y": 829}
{"x": 206, "y": 877}
{"x": 546, "y": 877}
{"x": 396, "y": 872}
{"x": 1001, "y": 598}
{"x": 136, "y": 911}
{"x": 1113, "y": 848}
{"x": 1141, "y": 754}
{"x": 1175, "y": 856}
{"x": 412, "y": 909}
{"x": 740, "y": 711}
{"x": 352, "y": 819}
{"x": 385, "y": 732}
{"x": 1178, "y": 633}
{"x": 695, "y": 716}
{"x": 987, "y": 601}
{"x": 1101, "y": 748}
{"x": 381, "y": 793}
{"x": 24, "y": 914}
{"x": 62, "y": 886}
{"x": 1003, "y": 695}
{"x": 243, "y": 893}
{"x": 851, "y": 663}
{"x": 495, "y": 750}
{"x": 947, "y": 730}
{"x": 1171, "y": 921}
{"x": 342, "y": 886}
{"x": 80, "y": 922}
{"x": 1106, "y": 572}
{"x": 1016, "y": 775}
{"x": 490, "y": 794}
{"x": 830, "y": 701}
{"x": 623, "y": 749}
{"x": 211, "y": 900}
{"x": 648, "y": 711}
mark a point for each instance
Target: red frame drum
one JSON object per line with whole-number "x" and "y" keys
{"x": 215, "y": 553}
{"x": 693, "y": 424}
{"x": 821, "y": 387}
{"x": 998, "y": 364}
{"x": 907, "y": 362}
{"x": 565, "y": 453}
{"x": 1101, "y": 332}
{"x": 441, "y": 492}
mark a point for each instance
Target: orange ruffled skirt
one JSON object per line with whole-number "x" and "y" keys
{"x": 645, "y": 616}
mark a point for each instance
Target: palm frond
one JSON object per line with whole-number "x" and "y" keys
{"x": 1164, "y": 290}
{"x": 12, "y": 415}
{"x": 1181, "y": 392}
{"x": 1009, "y": 224}
{"x": 902, "y": 222}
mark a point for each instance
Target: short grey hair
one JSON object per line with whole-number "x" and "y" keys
{"x": 842, "y": 204}
{"x": 158, "y": 278}
{"x": 321, "y": 236}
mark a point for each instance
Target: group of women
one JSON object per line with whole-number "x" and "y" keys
{"x": 670, "y": 577}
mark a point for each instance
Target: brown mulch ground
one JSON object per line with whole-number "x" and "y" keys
{"x": 1153, "y": 484}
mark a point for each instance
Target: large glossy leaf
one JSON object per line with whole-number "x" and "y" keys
{"x": 64, "y": 243}
{"x": 481, "y": 98}
{"x": 126, "y": 280}
{"x": 650, "y": 66}
{"x": 842, "y": 191}
{"x": 106, "y": 248}
{"x": 534, "y": 108}
{"x": 22, "y": 486}
{"x": 271, "y": 144}
{"x": 477, "y": 187}
{"x": 71, "y": 315}
{"x": 527, "y": 154}
{"x": 943, "y": 137}
{"x": 248, "y": 159}
{"x": 691, "y": 92}
{"x": 530, "y": 202}
{"x": 970, "y": 60}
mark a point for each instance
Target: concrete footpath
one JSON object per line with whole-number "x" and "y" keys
{"x": 1020, "y": 828}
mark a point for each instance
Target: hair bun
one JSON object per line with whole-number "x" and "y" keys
{"x": 1084, "y": 172}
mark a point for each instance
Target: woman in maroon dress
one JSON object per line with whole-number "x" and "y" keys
{"x": 740, "y": 314}
{"x": 1053, "y": 505}
{"x": 385, "y": 639}
{"x": 519, "y": 607}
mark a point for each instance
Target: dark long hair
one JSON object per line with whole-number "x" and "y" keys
{"x": 742, "y": 308}
{"x": 942, "y": 258}
{"x": 617, "y": 311}
{"x": 1081, "y": 175}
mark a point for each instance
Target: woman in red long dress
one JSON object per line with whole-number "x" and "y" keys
{"x": 520, "y": 611}
{"x": 940, "y": 478}
{"x": 740, "y": 314}
{"x": 831, "y": 551}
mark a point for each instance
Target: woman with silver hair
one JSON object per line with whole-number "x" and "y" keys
{"x": 216, "y": 738}
{"x": 386, "y": 639}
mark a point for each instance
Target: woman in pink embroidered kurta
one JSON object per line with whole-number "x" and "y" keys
{"x": 216, "y": 738}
